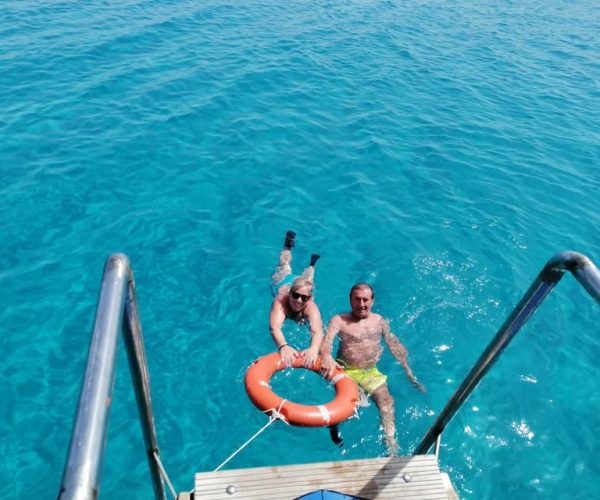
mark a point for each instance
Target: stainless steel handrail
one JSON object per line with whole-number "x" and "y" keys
{"x": 81, "y": 475}
{"x": 588, "y": 276}
{"x": 138, "y": 366}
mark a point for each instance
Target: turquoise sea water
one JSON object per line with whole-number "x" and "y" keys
{"x": 443, "y": 151}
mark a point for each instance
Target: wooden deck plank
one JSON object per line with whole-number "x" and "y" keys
{"x": 417, "y": 478}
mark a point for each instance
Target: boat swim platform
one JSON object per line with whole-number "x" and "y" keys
{"x": 415, "y": 477}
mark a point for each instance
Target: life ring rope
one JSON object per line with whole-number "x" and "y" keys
{"x": 272, "y": 419}
{"x": 276, "y": 413}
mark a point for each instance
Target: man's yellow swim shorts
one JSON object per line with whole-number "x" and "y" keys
{"x": 369, "y": 379}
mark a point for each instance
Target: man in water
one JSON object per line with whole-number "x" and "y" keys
{"x": 360, "y": 349}
{"x": 293, "y": 299}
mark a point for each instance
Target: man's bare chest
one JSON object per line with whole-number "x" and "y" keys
{"x": 360, "y": 333}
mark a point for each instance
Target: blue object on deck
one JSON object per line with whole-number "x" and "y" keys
{"x": 327, "y": 495}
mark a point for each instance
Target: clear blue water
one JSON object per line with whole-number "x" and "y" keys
{"x": 443, "y": 151}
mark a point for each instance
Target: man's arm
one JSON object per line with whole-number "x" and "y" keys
{"x": 400, "y": 353}
{"x": 328, "y": 364}
{"x": 276, "y": 319}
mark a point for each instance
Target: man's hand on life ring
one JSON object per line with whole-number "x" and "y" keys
{"x": 328, "y": 366}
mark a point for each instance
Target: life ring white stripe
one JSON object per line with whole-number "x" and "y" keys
{"x": 325, "y": 414}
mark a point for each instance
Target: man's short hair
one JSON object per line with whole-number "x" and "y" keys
{"x": 362, "y": 285}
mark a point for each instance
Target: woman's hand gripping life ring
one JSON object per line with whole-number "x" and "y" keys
{"x": 340, "y": 408}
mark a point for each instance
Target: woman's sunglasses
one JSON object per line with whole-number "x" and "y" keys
{"x": 296, "y": 295}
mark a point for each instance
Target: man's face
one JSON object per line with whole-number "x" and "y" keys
{"x": 361, "y": 302}
{"x": 299, "y": 298}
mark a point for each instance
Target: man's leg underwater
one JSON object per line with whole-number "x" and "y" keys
{"x": 384, "y": 401}
{"x": 335, "y": 435}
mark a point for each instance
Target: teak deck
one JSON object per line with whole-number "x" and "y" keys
{"x": 416, "y": 477}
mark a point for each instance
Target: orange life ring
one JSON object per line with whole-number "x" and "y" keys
{"x": 340, "y": 408}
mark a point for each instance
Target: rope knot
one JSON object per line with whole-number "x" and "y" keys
{"x": 275, "y": 414}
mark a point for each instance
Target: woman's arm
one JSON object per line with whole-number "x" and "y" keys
{"x": 276, "y": 319}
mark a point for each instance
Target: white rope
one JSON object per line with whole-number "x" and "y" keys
{"x": 164, "y": 474}
{"x": 275, "y": 415}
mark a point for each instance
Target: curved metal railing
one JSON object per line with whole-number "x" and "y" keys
{"x": 588, "y": 276}
{"x": 116, "y": 310}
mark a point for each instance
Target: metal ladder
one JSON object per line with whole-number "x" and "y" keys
{"x": 116, "y": 310}
{"x": 588, "y": 276}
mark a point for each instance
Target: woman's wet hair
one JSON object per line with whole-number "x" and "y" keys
{"x": 302, "y": 282}
{"x": 359, "y": 286}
